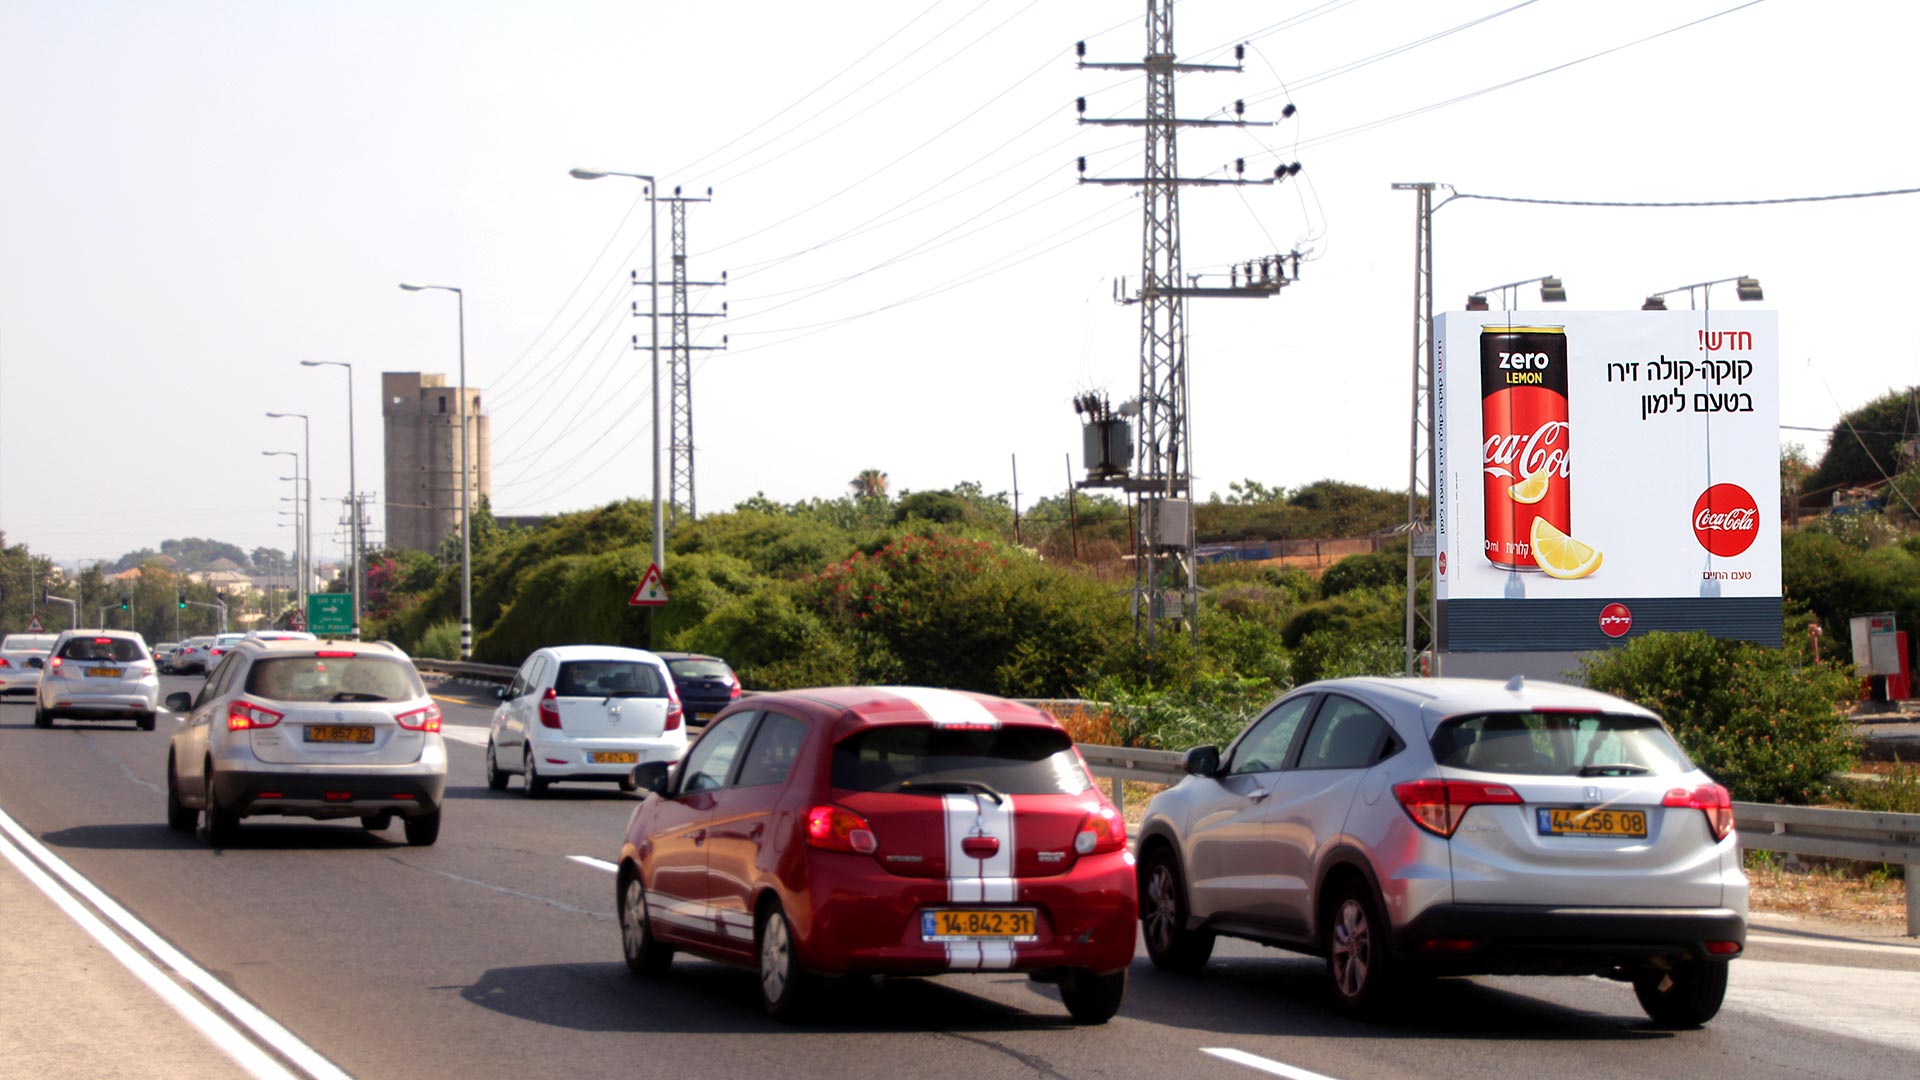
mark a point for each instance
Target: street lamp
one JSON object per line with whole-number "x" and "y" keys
{"x": 353, "y": 486}
{"x": 466, "y": 480}
{"x": 653, "y": 239}
{"x": 306, "y": 440}
{"x": 296, "y": 498}
{"x": 1552, "y": 291}
{"x": 1746, "y": 288}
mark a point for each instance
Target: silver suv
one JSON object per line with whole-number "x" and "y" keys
{"x": 1453, "y": 827}
{"x": 308, "y": 729}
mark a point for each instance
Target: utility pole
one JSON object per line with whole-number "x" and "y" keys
{"x": 1421, "y": 530}
{"x": 680, "y": 488}
{"x": 1164, "y": 583}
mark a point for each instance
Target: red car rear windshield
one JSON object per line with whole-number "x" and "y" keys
{"x": 1011, "y": 760}
{"x": 1558, "y": 744}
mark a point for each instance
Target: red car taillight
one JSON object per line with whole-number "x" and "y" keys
{"x": 1711, "y": 800}
{"x": 427, "y": 719}
{"x": 1438, "y": 805}
{"x": 1101, "y": 831}
{"x": 3, "y": 662}
{"x": 550, "y": 709}
{"x": 733, "y": 690}
{"x": 53, "y": 665}
{"x": 835, "y": 828}
{"x": 676, "y": 712}
{"x": 242, "y": 715}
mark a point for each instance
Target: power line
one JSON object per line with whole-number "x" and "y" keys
{"x": 1705, "y": 202}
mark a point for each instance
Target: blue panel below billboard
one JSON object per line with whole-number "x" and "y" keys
{"x": 1576, "y": 624}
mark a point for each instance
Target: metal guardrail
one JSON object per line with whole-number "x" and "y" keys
{"x": 489, "y": 672}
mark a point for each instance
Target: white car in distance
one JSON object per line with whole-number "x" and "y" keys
{"x": 584, "y": 712}
{"x": 18, "y": 673}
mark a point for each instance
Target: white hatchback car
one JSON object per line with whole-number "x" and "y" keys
{"x": 584, "y": 712}
{"x": 308, "y": 729}
{"x": 18, "y": 672}
{"x": 98, "y": 675}
{"x": 1453, "y": 827}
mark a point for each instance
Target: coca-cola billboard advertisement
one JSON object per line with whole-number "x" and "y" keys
{"x": 1588, "y": 464}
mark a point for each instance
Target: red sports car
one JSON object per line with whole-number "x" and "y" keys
{"x": 881, "y": 830}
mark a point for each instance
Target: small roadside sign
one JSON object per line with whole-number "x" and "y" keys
{"x": 652, "y": 591}
{"x": 298, "y": 621}
{"x": 34, "y": 626}
{"x": 330, "y": 614}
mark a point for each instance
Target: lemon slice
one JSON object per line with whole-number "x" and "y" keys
{"x": 1561, "y": 555}
{"x": 1533, "y": 488}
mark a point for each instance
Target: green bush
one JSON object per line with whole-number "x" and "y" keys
{"x": 1770, "y": 724}
{"x": 1207, "y": 710}
{"x": 574, "y": 599}
{"x": 440, "y": 642}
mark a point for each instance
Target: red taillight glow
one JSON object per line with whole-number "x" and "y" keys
{"x": 427, "y": 719}
{"x": 103, "y": 641}
{"x": 53, "y": 665}
{"x": 1724, "y": 948}
{"x": 1101, "y": 831}
{"x": 1448, "y": 945}
{"x": 733, "y": 691}
{"x": 676, "y": 712}
{"x": 1438, "y": 805}
{"x": 1711, "y": 800}
{"x": 336, "y": 654}
{"x": 3, "y": 662}
{"x": 242, "y": 715}
{"x": 835, "y": 828}
{"x": 550, "y": 709}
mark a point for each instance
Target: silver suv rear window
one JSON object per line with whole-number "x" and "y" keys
{"x": 1559, "y": 744}
{"x": 609, "y": 678}
{"x": 119, "y": 650}
{"x": 906, "y": 757}
{"x": 333, "y": 679}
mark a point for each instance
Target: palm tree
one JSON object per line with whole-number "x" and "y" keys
{"x": 870, "y": 484}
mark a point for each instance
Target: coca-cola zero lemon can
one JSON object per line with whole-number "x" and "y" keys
{"x": 1523, "y": 418}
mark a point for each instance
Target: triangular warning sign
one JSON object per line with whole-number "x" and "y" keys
{"x": 652, "y": 591}
{"x": 34, "y": 627}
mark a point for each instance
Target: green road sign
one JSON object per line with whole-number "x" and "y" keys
{"x": 330, "y": 614}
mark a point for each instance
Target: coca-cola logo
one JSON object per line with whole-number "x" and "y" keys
{"x": 1726, "y": 520}
{"x": 1520, "y": 456}
{"x": 1615, "y": 620}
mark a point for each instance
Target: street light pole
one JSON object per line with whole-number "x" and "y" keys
{"x": 296, "y": 498}
{"x": 466, "y": 480}
{"x": 306, "y": 442}
{"x": 653, "y": 239}
{"x": 353, "y": 486}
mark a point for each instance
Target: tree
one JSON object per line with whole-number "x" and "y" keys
{"x": 1865, "y": 446}
{"x": 870, "y": 484}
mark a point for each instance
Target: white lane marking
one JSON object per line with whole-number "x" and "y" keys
{"x": 1859, "y": 1002}
{"x": 215, "y": 1027}
{"x": 264, "y": 1027}
{"x": 1816, "y": 943}
{"x": 597, "y": 864}
{"x": 472, "y": 736}
{"x": 1265, "y": 1065}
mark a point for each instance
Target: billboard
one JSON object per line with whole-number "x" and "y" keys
{"x": 1600, "y": 475}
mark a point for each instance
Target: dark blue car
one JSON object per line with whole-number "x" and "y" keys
{"x": 705, "y": 683}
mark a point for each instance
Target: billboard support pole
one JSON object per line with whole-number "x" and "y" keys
{"x": 1420, "y": 459}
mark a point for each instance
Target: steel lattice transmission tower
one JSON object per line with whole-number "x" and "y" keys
{"x": 1164, "y": 583}
{"x": 680, "y": 487}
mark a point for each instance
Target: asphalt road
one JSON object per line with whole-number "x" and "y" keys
{"x": 496, "y": 953}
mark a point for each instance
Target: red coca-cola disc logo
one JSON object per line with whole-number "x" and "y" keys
{"x": 1615, "y": 620}
{"x": 1443, "y": 564}
{"x": 1726, "y": 520}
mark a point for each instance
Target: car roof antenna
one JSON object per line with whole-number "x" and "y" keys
{"x": 1517, "y": 683}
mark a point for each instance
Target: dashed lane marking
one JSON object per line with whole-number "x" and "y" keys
{"x": 1260, "y": 1064}
{"x": 597, "y": 864}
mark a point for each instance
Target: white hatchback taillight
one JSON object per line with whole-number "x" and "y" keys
{"x": 243, "y": 715}
{"x": 550, "y": 709}
{"x": 1438, "y": 805}
{"x": 427, "y": 719}
{"x": 675, "y": 711}
{"x": 1711, "y": 800}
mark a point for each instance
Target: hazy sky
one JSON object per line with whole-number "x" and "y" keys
{"x": 194, "y": 196}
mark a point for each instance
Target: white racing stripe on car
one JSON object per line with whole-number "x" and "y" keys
{"x": 979, "y": 881}
{"x": 25, "y": 851}
{"x": 945, "y": 707}
{"x": 1265, "y": 1065}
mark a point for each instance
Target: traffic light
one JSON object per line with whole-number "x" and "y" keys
{"x": 124, "y": 603}
{"x": 183, "y": 599}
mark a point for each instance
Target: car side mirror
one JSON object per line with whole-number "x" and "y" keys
{"x": 1203, "y": 761}
{"x": 36, "y": 662}
{"x": 500, "y": 693}
{"x": 653, "y": 776}
{"x": 181, "y": 702}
